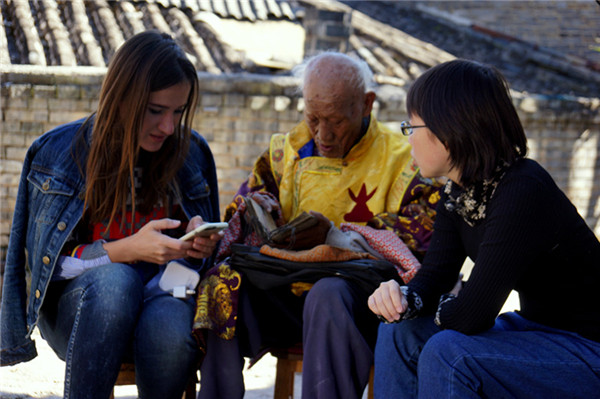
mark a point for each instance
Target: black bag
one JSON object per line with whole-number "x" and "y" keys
{"x": 266, "y": 272}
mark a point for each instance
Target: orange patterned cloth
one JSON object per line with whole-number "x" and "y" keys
{"x": 320, "y": 253}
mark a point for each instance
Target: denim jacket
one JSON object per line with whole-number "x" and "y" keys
{"x": 50, "y": 205}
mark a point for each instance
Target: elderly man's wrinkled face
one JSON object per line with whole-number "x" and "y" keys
{"x": 334, "y": 116}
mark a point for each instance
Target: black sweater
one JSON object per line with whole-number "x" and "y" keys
{"x": 532, "y": 240}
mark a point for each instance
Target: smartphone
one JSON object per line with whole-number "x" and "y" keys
{"x": 204, "y": 230}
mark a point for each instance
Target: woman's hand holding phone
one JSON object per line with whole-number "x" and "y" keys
{"x": 203, "y": 239}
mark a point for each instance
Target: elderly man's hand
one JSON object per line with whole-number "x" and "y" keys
{"x": 309, "y": 238}
{"x": 266, "y": 202}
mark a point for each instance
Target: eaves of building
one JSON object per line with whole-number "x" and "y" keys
{"x": 268, "y": 37}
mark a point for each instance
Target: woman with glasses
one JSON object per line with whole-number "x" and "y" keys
{"x": 444, "y": 339}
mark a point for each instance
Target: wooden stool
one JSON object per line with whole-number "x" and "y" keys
{"x": 127, "y": 377}
{"x": 289, "y": 362}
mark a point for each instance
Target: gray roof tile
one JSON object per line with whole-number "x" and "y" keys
{"x": 398, "y": 40}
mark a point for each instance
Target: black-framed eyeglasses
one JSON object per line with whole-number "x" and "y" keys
{"x": 407, "y": 129}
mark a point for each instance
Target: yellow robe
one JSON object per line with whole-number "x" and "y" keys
{"x": 372, "y": 178}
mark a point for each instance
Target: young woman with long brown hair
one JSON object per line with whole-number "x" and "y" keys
{"x": 101, "y": 204}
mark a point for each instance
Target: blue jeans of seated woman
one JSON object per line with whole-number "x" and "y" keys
{"x": 515, "y": 359}
{"x": 100, "y": 319}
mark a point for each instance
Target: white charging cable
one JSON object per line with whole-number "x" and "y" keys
{"x": 181, "y": 291}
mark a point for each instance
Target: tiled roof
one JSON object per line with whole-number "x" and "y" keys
{"x": 527, "y": 66}
{"x": 237, "y": 9}
{"x": 78, "y": 32}
{"x": 398, "y": 45}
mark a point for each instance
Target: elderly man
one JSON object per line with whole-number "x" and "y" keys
{"x": 345, "y": 167}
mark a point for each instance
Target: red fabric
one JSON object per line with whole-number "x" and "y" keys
{"x": 392, "y": 248}
{"x": 114, "y": 231}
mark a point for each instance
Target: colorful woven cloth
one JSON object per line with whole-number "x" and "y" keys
{"x": 388, "y": 245}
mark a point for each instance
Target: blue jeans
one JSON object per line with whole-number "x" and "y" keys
{"x": 517, "y": 358}
{"x": 100, "y": 319}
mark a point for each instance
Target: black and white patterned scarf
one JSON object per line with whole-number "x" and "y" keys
{"x": 471, "y": 203}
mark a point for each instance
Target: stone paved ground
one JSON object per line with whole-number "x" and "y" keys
{"x": 43, "y": 377}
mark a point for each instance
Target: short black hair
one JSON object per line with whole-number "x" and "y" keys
{"x": 468, "y": 106}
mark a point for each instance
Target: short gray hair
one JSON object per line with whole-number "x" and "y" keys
{"x": 361, "y": 79}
